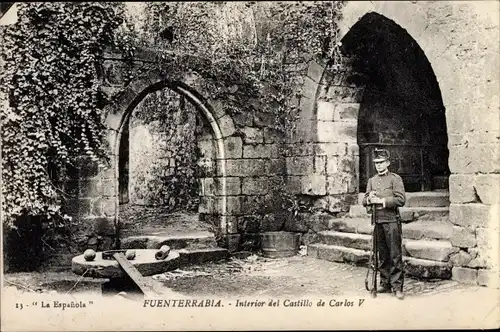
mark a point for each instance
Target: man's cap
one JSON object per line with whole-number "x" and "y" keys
{"x": 380, "y": 155}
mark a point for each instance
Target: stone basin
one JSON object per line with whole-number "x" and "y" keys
{"x": 144, "y": 262}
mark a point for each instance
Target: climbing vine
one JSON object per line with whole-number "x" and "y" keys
{"x": 252, "y": 67}
{"x": 54, "y": 115}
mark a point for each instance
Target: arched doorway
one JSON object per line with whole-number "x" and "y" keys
{"x": 119, "y": 118}
{"x": 402, "y": 108}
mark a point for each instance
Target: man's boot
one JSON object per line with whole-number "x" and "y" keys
{"x": 400, "y": 295}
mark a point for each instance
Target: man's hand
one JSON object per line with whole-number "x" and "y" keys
{"x": 376, "y": 200}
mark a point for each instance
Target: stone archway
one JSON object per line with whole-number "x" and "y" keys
{"x": 401, "y": 109}
{"x": 221, "y": 127}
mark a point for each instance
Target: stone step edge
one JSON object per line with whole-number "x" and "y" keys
{"x": 342, "y": 225}
{"x": 368, "y": 234}
{"x": 155, "y": 241}
{"x": 195, "y": 256}
{"x": 364, "y": 242}
{"x": 417, "y": 267}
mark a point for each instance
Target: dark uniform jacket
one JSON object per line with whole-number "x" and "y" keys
{"x": 390, "y": 187}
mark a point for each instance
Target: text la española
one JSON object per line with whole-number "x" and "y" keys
{"x": 64, "y": 305}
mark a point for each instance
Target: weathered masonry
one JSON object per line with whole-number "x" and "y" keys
{"x": 423, "y": 83}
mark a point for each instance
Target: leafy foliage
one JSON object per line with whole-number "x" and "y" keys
{"x": 247, "y": 59}
{"x": 49, "y": 76}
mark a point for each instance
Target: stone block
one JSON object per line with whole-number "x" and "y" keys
{"x": 463, "y": 237}
{"x": 484, "y": 158}
{"x": 426, "y": 269}
{"x": 299, "y": 165}
{"x": 218, "y": 108}
{"x": 275, "y": 167}
{"x": 232, "y": 224}
{"x": 233, "y": 205}
{"x": 252, "y": 135}
{"x": 462, "y": 258}
{"x": 332, "y": 165}
{"x": 243, "y": 119}
{"x": 305, "y": 131}
{"x": 207, "y": 187}
{"x": 488, "y": 188}
{"x": 233, "y": 147}
{"x": 255, "y": 186}
{"x": 309, "y": 88}
{"x": 306, "y": 109}
{"x": 464, "y": 275}
{"x": 245, "y": 167}
{"x": 272, "y": 135}
{"x": 232, "y": 242}
{"x": 226, "y": 125}
{"x": 430, "y": 250}
{"x": 314, "y": 185}
{"x": 473, "y": 215}
{"x": 260, "y": 151}
{"x": 332, "y": 132}
{"x": 326, "y": 111}
{"x": 488, "y": 278}
{"x": 356, "y": 241}
{"x": 299, "y": 150}
{"x": 233, "y": 186}
{"x": 341, "y": 184}
{"x": 207, "y": 205}
{"x": 484, "y": 237}
{"x": 346, "y": 112}
{"x": 331, "y": 149}
{"x": 315, "y": 71}
{"x": 462, "y": 188}
{"x": 320, "y": 165}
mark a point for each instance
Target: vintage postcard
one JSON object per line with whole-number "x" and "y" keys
{"x": 253, "y": 165}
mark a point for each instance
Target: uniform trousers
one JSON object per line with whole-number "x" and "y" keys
{"x": 389, "y": 243}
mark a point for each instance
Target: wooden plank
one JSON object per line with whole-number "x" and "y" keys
{"x": 146, "y": 288}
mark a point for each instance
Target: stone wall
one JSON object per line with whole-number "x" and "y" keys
{"x": 321, "y": 159}
{"x": 163, "y": 152}
{"x": 460, "y": 39}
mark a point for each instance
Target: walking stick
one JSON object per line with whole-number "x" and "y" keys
{"x": 373, "y": 261}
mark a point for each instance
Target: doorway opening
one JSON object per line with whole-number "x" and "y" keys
{"x": 402, "y": 108}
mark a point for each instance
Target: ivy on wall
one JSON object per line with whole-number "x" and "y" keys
{"x": 49, "y": 77}
{"x": 247, "y": 53}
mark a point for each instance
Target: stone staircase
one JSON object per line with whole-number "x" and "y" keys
{"x": 426, "y": 236}
{"x": 195, "y": 246}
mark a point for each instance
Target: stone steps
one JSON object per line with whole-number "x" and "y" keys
{"x": 422, "y": 199}
{"x": 420, "y": 249}
{"x": 418, "y": 230}
{"x": 408, "y": 214}
{"x": 420, "y": 268}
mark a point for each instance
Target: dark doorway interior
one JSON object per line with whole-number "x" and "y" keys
{"x": 402, "y": 109}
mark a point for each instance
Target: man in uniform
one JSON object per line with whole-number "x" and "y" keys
{"x": 386, "y": 192}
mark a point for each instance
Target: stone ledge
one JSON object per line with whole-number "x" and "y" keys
{"x": 179, "y": 241}
{"x": 431, "y": 250}
{"x": 420, "y": 268}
